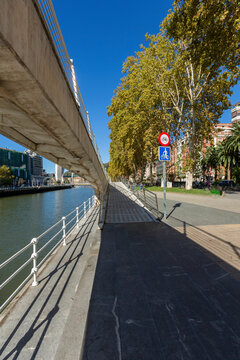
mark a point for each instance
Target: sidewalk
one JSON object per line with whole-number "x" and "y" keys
{"x": 48, "y": 321}
{"x": 228, "y": 202}
{"x": 214, "y": 223}
{"x": 159, "y": 295}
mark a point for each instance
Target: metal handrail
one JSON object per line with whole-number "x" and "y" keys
{"x": 49, "y": 18}
{"x": 86, "y": 207}
{"x": 149, "y": 198}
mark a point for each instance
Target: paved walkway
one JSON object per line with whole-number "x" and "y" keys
{"x": 48, "y": 321}
{"x": 229, "y": 202}
{"x": 124, "y": 207}
{"x": 160, "y": 294}
{"x": 212, "y": 222}
{"x": 157, "y": 295}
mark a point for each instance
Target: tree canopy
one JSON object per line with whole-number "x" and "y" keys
{"x": 6, "y": 177}
{"x": 178, "y": 83}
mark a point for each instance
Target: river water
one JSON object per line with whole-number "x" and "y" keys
{"x": 24, "y": 217}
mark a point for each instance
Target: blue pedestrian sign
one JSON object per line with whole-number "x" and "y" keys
{"x": 164, "y": 153}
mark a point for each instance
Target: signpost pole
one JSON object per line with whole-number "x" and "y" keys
{"x": 164, "y": 191}
{"x": 164, "y": 155}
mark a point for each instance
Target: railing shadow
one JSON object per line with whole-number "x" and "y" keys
{"x": 186, "y": 226}
{"x": 166, "y": 297}
{"x": 74, "y": 253}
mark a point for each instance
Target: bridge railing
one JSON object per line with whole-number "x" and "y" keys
{"x": 49, "y": 18}
{"x": 39, "y": 249}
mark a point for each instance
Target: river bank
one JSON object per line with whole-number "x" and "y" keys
{"x": 33, "y": 190}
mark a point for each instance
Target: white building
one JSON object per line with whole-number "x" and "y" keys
{"x": 236, "y": 113}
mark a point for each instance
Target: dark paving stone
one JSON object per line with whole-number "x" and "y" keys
{"x": 158, "y": 295}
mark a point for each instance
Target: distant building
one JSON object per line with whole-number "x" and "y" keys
{"x": 18, "y": 162}
{"x": 59, "y": 173}
{"x": 36, "y": 168}
{"x": 181, "y": 151}
{"x": 74, "y": 179}
{"x": 236, "y": 113}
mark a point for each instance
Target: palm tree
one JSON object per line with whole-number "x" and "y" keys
{"x": 233, "y": 143}
{"x": 229, "y": 150}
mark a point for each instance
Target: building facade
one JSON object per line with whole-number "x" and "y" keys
{"x": 18, "y": 163}
{"x": 36, "y": 168}
{"x": 26, "y": 167}
{"x": 236, "y": 113}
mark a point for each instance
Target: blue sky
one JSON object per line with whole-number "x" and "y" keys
{"x": 99, "y": 36}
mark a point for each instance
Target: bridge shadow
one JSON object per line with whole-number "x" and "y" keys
{"x": 52, "y": 287}
{"x": 158, "y": 294}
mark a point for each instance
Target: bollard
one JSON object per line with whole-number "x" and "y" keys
{"x": 77, "y": 216}
{"x": 64, "y": 230}
{"x": 34, "y": 257}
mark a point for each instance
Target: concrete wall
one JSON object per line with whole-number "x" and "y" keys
{"x": 37, "y": 107}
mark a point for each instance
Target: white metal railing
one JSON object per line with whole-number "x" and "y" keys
{"x": 49, "y": 18}
{"x": 148, "y": 198}
{"x": 63, "y": 228}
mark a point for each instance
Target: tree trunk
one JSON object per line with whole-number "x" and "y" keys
{"x": 151, "y": 174}
{"x": 189, "y": 174}
{"x": 142, "y": 172}
{"x": 189, "y": 179}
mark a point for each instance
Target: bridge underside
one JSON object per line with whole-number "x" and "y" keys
{"x": 37, "y": 107}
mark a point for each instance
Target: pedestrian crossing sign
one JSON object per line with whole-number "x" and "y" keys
{"x": 164, "y": 153}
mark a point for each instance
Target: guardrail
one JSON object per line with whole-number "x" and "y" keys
{"x": 147, "y": 197}
{"x": 48, "y": 15}
{"x": 58, "y": 232}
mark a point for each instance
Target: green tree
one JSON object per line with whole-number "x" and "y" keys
{"x": 6, "y": 177}
{"x": 167, "y": 87}
{"x": 229, "y": 152}
{"x": 207, "y": 34}
{"x": 211, "y": 160}
{"x": 211, "y": 28}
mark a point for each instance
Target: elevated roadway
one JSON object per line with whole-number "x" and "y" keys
{"x": 39, "y": 108}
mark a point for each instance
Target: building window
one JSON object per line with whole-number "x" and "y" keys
{"x": 9, "y": 155}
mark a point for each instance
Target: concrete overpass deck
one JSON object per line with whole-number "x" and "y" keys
{"x": 40, "y": 104}
{"x": 156, "y": 294}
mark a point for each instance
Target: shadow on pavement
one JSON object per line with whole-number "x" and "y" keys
{"x": 159, "y": 295}
{"x": 174, "y": 208}
{"x": 38, "y": 317}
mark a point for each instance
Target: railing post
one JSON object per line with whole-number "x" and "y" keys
{"x": 64, "y": 230}
{"x": 34, "y": 257}
{"x": 84, "y": 208}
{"x": 77, "y": 218}
{"x": 156, "y": 201}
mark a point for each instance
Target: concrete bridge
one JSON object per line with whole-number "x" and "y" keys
{"x": 41, "y": 106}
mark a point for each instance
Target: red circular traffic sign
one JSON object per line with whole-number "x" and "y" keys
{"x": 164, "y": 139}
